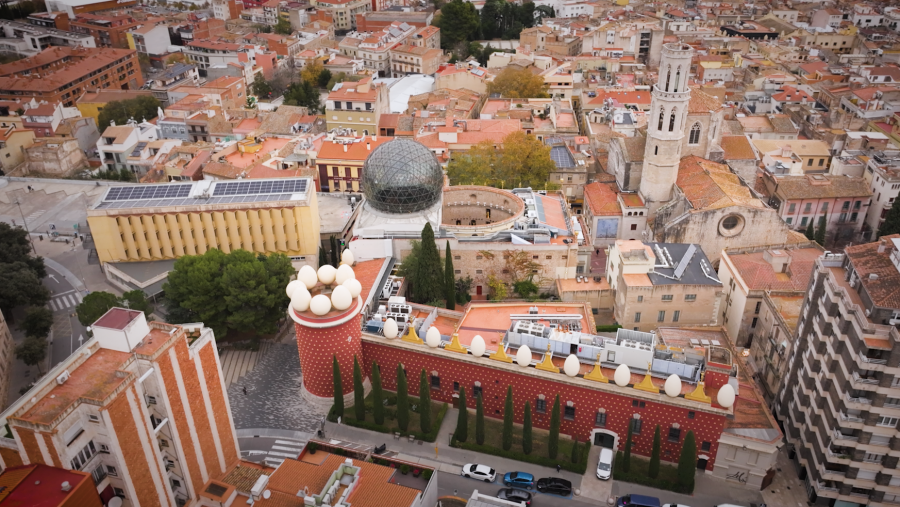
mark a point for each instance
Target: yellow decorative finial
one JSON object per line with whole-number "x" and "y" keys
{"x": 647, "y": 384}
{"x": 412, "y": 337}
{"x": 698, "y": 394}
{"x": 596, "y": 374}
{"x": 547, "y": 363}
{"x": 455, "y": 346}
{"x": 500, "y": 355}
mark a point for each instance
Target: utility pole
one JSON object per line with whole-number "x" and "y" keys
{"x": 25, "y": 224}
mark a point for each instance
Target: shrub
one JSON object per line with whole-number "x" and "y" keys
{"x": 654, "y": 455}
{"x": 404, "y": 469}
{"x": 526, "y": 429}
{"x": 402, "y": 399}
{"x": 553, "y": 444}
{"x": 479, "y": 421}
{"x": 312, "y": 447}
{"x": 609, "y": 328}
{"x": 577, "y": 468}
{"x": 427, "y": 473}
{"x": 687, "y": 462}
{"x": 377, "y": 395}
{"x": 670, "y": 483}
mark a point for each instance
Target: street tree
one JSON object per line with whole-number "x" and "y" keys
{"x": 518, "y": 83}
{"x": 139, "y": 109}
{"x": 94, "y": 305}
{"x": 136, "y": 300}
{"x": 459, "y": 23}
{"x": 377, "y": 395}
{"x": 16, "y": 247}
{"x": 32, "y": 351}
{"x": 261, "y": 88}
{"x": 687, "y": 463}
{"x": 653, "y": 472}
{"x": 37, "y": 322}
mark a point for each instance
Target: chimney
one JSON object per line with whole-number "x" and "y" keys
{"x": 368, "y": 146}
{"x": 882, "y": 245}
{"x": 345, "y": 148}
{"x": 66, "y": 486}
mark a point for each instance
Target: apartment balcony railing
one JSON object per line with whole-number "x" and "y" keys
{"x": 840, "y": 436}
{"x": 822, "y": 487}
{"x": 864, "y": 380}
{"x": 864, "y": 401}
{"x": 850, "y": 418}
{"x": 872, "y": 360}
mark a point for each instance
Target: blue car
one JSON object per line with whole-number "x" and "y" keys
{"x": 519, "y": 479}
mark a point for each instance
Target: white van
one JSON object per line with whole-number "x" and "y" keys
{"x": 604, "y": 464}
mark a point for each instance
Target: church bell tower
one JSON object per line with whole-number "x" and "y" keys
{"x": 665, "y": 125}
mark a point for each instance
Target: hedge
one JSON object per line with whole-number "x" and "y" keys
{"x": 608, "y": 328}
{"x": 639, "y": 475}
{"x": 565, "y": 464}
{"x": 369, "y": 425}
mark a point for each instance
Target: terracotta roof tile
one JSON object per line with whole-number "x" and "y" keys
{"x": 884, "y": 290}
{"x": 758, "y": 274}
{"x": 709, "y": 185}
{"x": 800, "y": 187}
{"x": 601, "y": 198}
{"x": 737, "y": 148}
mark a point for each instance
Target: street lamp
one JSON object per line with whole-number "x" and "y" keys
{"x": 25, "y": 224}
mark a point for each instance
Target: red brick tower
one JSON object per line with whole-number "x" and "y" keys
{"x": 325, "y": 307}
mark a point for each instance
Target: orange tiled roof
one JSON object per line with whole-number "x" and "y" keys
{"x": 602, "y": 199}
{"x": 709, "y": 185}
{"x": 884, "y": 290}
{"x": 356, "y": 151}
{"x": 758, "y": 274}
{"x": 737, "y": 148}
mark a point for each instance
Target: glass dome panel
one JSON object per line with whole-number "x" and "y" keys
{"x": 402, "y": 176}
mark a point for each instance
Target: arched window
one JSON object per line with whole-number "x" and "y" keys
{"x": 668, "y": 77}
{"x": 677, "y": 79}
{"x": 662, "y": 116}
{"x": 694, "y": 137}
{"x": 672, "y": 121}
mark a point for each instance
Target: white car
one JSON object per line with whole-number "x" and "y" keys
{"x": 480, "y": 472}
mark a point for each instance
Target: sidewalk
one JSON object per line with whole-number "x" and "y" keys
{"x": 70, "y": 260}
{"x": 447, "y": 459}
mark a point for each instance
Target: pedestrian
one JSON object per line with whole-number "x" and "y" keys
{"x": 558, "y": 468}
{"x": 244, "y": 388}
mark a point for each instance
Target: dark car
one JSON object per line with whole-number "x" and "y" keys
{"x": 554, "y": 485}
{"x": 519, "y": 479}
{"x": 515, "y": 495}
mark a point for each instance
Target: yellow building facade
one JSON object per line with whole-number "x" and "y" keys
{"x": 261, "y": 216}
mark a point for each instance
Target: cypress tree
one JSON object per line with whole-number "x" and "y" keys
{"x": 687, "y": 462}
{"x": 820, "y": 231}
{"x": 323, "y": 259}
{"x": 402, "y": 399}
{"x": 526, "y": 429}
{"x": 462, "y": 422}
{"x": 576, "y": 452}
{"x": 359, "y": 393}
{"x": 334, "y": 251}
{"x": 654, "y": 455}
{"x": 810, "y": 232}
{"x": 429, "y": 279}
{"x": 626, "y": 462}
{"x": 338, "y": 388}
{"x": 377, "y": 403}
{"x": 479, "y": 421}
{"x": 508, "y": 420}
{"x": 424, "y": 403}
{"x": 891, "y": 223}
{"x": 553, "y": 443}
{"x": 449, "y": 281}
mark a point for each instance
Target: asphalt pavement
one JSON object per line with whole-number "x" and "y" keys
{"x": 68, "y": 333}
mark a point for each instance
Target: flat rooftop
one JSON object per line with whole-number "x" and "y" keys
{"x": 38, "y": 486}
{"x": 205, "y": 192}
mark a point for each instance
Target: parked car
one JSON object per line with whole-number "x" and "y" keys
{"x": 476, "y": 471}
{"x": 637, "y": 501}
{"x": 674, "y": 505}
{"x": 519, "y": 480}
{"x": 515, "y": 495}
{"x": 604, "y": 464}
{"x": 554, "y": 485}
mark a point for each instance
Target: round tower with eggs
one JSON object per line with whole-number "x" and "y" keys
{"x": 326, "y": 309}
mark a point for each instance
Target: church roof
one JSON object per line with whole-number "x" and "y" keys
{"x": 702, "y": 102}
{"x": 634, "y": 147}
{"x": 709, "y": 185}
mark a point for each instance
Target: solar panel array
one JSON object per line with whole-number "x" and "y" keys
{"x": 561, "y": 157}
{"x": 259, "y": 187}
{"x": 145, "y": 203}
{"x": 129, "y": 193}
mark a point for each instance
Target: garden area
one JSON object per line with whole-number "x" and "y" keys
{"x": 391, "y": 424}
{"x": 652, "y": 472}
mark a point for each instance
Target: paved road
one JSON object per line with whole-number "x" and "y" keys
{"x": 456, "y": 485}
{"x": 66, "y": 328}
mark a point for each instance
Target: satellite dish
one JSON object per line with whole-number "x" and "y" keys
{"x": 267, "y": 494}
{"x": 115, "y": 502}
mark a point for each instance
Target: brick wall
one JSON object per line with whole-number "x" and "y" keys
{"x": 178, "y": 416}
{"x": 219, "y": 407}
{"x": 129, "y": 434}
{"x": 619, "y": 409}
{"x": 48, "y": 442}
{"x": 10, "y": 458}
{"x": 30, "y": 445}
{"x": 318, "y": 347}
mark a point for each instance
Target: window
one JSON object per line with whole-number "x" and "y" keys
{"x": 435, "y": 381}
{"x": 633, "y": 227}
{"x": 792, "y": 207}
{"x": 110, "y": 470}
{"x": 640, "y": 299}
{"x": 758, "y": 305}
{"x": 176, "y": 484}
{"x": 476, "y": 390}
{"x": 540, "y": 406}
{"x": 162, "y": 443}
{"x": 690, "y": 297}
{"x": 789, "y": 220}
{"x": 754, "y": 321}
{"x": 821, "y": 162}
{"x": 803, "y": 221}
{"x": 93, "y": 418}
{"x": 705, "y": 446}
{"x": 690, "y": 415}
{"x": 456, "y": 257}
{"x": 637, "y": 316}
{"x": 662, "y": 115}
{"x": 674, "y": 434}
{"x": 810, "y": 162}
{"x": 98, "y": 474}
{"x": 569, "y": 413}
{"x": 636, "y": 426}
{"x": 661, "y": 316}
{"x": 119, "y": 492}
{"x": 672, "y": 122}
{"x": 808, "y": 207}
{"x": 667, "y": 297}
{"x": 887, "y": 421}
{"x": 676, "y": 315}
{"x": 83, "y": 456}
{"x": 151, "y": 400}
{"x": 694, "y": 137}
{"x": 600, "y": 419}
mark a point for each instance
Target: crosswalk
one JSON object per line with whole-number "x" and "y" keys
{"x": 34, "y": 216}
{"x": 65, "y": 301}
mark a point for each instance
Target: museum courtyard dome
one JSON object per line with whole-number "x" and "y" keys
{"x": 402, "y": 176}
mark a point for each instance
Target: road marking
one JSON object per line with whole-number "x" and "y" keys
{"x": 281, "y": 448}
{"x": 284, "y": 454}
{"x": 79, "y": 297}
{"x": 73, "y": 300}
{"x": 35, "y": 215}
{"x": 63, "y": 293}
{"x": 290, "y": 442}
{"x": 53, "y": 277}
{"x": 52, "y": 305}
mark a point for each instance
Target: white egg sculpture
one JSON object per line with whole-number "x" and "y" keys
{"x": 572, "y": 365}
{"x": 320, "y": 305}
{"x": 433, "y": 335}
{"x": 300, "y": 299}
{"x": 477, "y": 347}
{"x": 390, "y": 329}
{"x": 344, "y": 273}
{"x": 353, "y": 286}
{"x": 307, "y": 276}
{"x": 347, "y": 257}
{"x": 291, "y": 287}
{"x": 326, "y": 274}
{"x": 673, "y": 386}
{"x": 726, "y": 396}
{"x": 622, "y": 375}
{"x": 523, "y": 356}
{"x": 433, "y": 340}
{"x": 341, "y": 298}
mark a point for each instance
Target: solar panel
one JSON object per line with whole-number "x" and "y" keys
{"x": 561, "y": 157}
{"x": 683, "y": 264}
{"x": 147, "y": 192}
{"x": 259, "y": 187}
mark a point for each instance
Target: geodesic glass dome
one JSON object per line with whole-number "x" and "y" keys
{"x": 402, "y": 176}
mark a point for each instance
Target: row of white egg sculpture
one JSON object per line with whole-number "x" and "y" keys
{"x": 347, "y": 287}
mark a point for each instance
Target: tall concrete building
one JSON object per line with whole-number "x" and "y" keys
{"x": 840, "y": 401}
{"x": 665, "y": 131}
{"x": 141, "y": 407}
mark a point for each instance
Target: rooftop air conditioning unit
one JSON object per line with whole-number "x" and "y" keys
{"x": 61, "y": 379}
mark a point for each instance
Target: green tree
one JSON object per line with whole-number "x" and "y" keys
{"x": 377, "y": 403}
{"x": 820, "y": 231}
{"x": 890, "y": 226}
{"x": 402, "y": 399}
{"x": 526, "y": 429}
{"x": 359, "y": 393}
{"x": 423, "y": 270}
{"x": 462, "y": 421}
{"x": 576, "y": 452}
{"x": 508, "y": 420}
{"x": 139, "y": 109}
{"x": 479, "y": 421}
{"x": 283, "y": 27}
{"x": 810, "y": 231}
{"x": 136, "y": 300}
{"x": 525, "y": 288}
{"x": 305, "y": 95}
{"x": 626, "y": 462}
{"x": 194, "y": 291}
{"x": 32, "y": 351}
{"x": 687, "y": 462}
{"x": 459, "y": 23}
{"x": 522, "y": 161}
{"x": 449, "y": 280}
{"x": 334, "y": 251}
{"x": 519, "y": 83}
{"x": 323, "y": 257}
{"x": 261, "y": 88}
{"x": 37, "y": 322}
{"x": 324, "y": 78}
{"x": 424, "y": 403}
{"x": 338, "y": 387}
{"x": 553, "y": 442}
{"x": 15, "y": 246}
{"x": 654, "y": 455}
{"x": 94, "y": 305}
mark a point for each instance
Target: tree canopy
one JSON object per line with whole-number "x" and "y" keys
{"x": 283, "y": 27}
{"x": 37, "y": 322}
{"x": 522, "y": 161}
{"x": 303, "y": 94}
{"x": 95, "y": 304}
{"x": 518, "y": 83}
{"x": 505, "y": 20}
{"x": 459, "y": 23}
{"x": 423, "y": 269}
{"x": 891, "y": 223}
{"x": 250, "y": 286}
{"x": 140, "y": 108}
{"x": 15, "y": 247}
{"x": 261, "y": 88}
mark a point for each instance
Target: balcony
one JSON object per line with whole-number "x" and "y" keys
{"x": 822, "y": 487}
{"x": 871, "y": 360}
{"x": 864, "y": 380}
{"x": 863, "y": 401}
{"x": 850, "y": 418}
{"x": 840, "y": 436}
